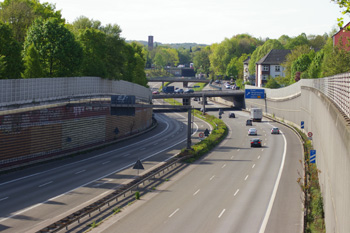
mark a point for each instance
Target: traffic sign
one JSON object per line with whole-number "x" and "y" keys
{"x": 201, "y": 135}
{"x": 302, "y": 125}
{"x": 254, "y": 93}
{"x": 309, "y": 134}
{"x": 138, "y": 165}
{"x": 312, "y": 156}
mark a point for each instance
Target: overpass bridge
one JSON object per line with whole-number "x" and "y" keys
{"x": 184, "y": 80}
{"x": 235, "y": 96}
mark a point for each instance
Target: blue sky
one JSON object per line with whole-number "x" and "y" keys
{"x": 207, "y": 21}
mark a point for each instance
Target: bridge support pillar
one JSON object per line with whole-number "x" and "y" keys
{"x": 185, "y": 84}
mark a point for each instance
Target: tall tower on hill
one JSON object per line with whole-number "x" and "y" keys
{"x": 150, "y": 42}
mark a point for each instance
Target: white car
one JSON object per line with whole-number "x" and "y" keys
{"x": 252, "y": 131}
{"x": 275, "y": 130}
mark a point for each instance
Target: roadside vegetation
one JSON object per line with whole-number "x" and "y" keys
{"x": 313, "y": 201}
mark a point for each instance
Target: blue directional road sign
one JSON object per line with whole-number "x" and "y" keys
{"x": 302, "y": 125}
{"x": 254, "y": 93}
{"x": 312, "y": 156}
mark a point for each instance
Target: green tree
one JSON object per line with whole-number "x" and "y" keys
{"x": 20, "y": 14}
{"x": 94, "y": 47}
{"x": 201, "y": 60}
{"x": 184, "y": 56}
{"x": 290, "y": 58}
{"x": 10, "y": 50}
{"x": 2, "y": 67}
{"x": 262, "y": 51}
{"x": 335, "y": 61}
{"x": 345, "y": 5}
{"x": 32, "y": 64}
{"x": 297, "y": 41}
{"x": 272, "y": 83}
{"x": 301, "y": 64}
{"x": 60, "y": 54}
{"x": 235, "y": 67}
{"x": 315, "y": 68}
{"x": 115, "y": 57}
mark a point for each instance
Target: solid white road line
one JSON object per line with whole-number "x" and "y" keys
{"x": 174, "y": 212}
{"x": 106, "y": 162}
{"x": 274, "y": 192}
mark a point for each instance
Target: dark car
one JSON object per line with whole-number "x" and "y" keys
{"x": 249, "y": 122}
{"x": 231, "y": 115}
{"x": 255, "y": 142}
{"x": 189, "y": 91}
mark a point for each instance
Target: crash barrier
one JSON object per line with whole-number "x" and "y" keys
{"x": 121, "y": 192}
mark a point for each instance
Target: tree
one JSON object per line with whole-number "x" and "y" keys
{"x": 201, "y": 60}
{"x": 10, "y": 50}
{"x": 290, "y": 58}
{"x": 94, "y": 47}
{"x": 301, "y": 64}
{"x": 272, "y": 83}
{"x": 20, "y": 14}
{"x": 297, "y": 41}
{"x": 2, "y": 67}
{"x": 184, "y": 56}
{"x": 345, "y": 5}
{"x": 59, "y": 53}
{"x": 336, "y": 60}
{"x": 314, "y": 70}
{"x": 32, "y": 64}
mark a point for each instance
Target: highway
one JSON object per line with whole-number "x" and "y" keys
{"x": 235, "y": 188}
{"x": 32, "y": 198}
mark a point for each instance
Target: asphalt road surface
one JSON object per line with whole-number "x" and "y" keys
{"x": 235, "y": 188}
{"x": 35, "y": 197}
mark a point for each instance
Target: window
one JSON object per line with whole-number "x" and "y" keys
{"x": 277, "y": 68}
{"x": 264, "y": 77}
{"x": 265, "y": 68}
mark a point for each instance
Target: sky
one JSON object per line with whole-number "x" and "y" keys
{"x": 207, "y": 21}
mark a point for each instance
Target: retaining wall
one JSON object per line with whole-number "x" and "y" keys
{"x": 315, "y": 103}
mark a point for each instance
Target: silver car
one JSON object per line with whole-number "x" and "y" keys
{"x": 252, "y": 131}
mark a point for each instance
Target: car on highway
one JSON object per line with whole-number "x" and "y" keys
{"x": 227, "y": 86}
{"x": 231, "y": 115}
{"x": 255, "y": 142}
{"x": 252, "y": 131}
{"x": 155, "y": 92}
{"x": 189, "y": 91}
{"x": 179, "y": 91}
{"x": 275, "y": 130}
{"x": 249, "y": 122}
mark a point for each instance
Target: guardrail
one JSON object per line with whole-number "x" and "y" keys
{"x": 105, "y": 201}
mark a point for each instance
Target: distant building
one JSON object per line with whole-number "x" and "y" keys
{"x": 270, "y": 66}
{"x": 150, "y": 42}
{"x": 344, "y": 36}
